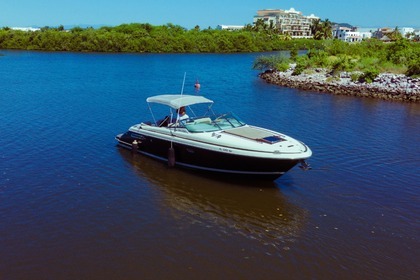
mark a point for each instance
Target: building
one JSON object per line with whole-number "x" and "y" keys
{"x": 26, "y": 29}
{"x": 290, "y": 22}
{"x": 381, "y": 32}
{"x": 230, "y": 27}
{"x": 350, "y": 34}
{"x": 416, "y": 36}
{"x": 406, "y": 32}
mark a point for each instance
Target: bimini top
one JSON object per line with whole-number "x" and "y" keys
{"x": 178, "y": 100}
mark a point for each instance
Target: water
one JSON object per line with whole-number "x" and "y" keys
{"x": 75, "y": 206}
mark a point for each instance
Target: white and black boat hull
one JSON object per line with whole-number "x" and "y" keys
{"x": 221, "y": 162}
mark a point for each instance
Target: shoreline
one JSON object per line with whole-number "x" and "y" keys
{"x": 387, "y": 86}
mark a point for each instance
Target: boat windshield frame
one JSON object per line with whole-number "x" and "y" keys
{"x": 209, "y": 122}
{"x": 212, "y": 124}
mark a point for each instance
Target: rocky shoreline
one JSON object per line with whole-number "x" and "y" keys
{"x": 386, "y": 86}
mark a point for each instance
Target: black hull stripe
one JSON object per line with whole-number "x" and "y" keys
{"x": 278, "y": 173}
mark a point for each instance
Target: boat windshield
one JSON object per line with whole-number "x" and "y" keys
{"x": 207, "y": 124}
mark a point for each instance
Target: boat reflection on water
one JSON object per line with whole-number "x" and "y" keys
{"x": 255, "y": 210}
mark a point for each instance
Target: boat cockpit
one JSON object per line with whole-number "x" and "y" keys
{"x": 203, "y": 123}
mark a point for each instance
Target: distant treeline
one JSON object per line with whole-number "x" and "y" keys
{"x": 137, "y": 37}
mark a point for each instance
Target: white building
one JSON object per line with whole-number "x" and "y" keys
{"x": 290, "y": 22}
{"x": 230, "y": 27}
{"x": 347, "y": 34}
{"x": 25, "y": 28}
{"x": 406, "y": 30}
{"x": 366, "y": 35}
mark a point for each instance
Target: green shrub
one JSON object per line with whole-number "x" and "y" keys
{"x": 369, "y": 75}
{"x": 355, "y": 77}
{"x": 399, "y": 51}
{"x": 298, "y": 69}
{"x": 367, "y": 62}
{"x": 282, "y": 67}
{"x": 332, "y": 79}
{"x": 414, "y": 68}
{"x": 336, "y": 47}
{"x": 276, "y": 62}
{"x": 293, "y": 53}
{"x": 302, "y": 63}
{"x": 318, "y": 58}
{"x": 343, "y": 63}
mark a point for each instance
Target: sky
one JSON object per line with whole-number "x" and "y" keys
{"x": 204, "y": 13}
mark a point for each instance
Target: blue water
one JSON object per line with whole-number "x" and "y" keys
{"x": 75, "y": 206}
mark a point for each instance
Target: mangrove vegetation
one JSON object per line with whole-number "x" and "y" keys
{"x": 147, "y": 38}
{"x": 365, "y": 59}
{"x": 370, "y": 57}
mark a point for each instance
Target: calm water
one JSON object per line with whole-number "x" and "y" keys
{"x": 75, "y": 206}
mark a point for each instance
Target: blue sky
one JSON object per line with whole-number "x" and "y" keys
{"x": 188, "y": 13}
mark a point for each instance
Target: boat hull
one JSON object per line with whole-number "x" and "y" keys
{"x": 222, "y": 162}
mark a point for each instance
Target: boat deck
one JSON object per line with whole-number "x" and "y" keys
{"x": 255, "y": 134}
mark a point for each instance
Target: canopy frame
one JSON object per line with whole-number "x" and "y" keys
{"x": 177, "y": 101}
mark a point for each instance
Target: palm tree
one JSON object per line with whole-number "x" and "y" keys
{"x": 260, "y": 25}
{"x": 327, "y": 29}
{"x": 248, "y": 27}
{"x": 321, "y": 29}
{"x": 315, "y": 26}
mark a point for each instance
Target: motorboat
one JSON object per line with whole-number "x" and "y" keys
{"x": 210, "y": 142}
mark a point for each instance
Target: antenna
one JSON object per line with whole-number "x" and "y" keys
{"x": 182, "y": 92}
{"x": 183, "y": 83}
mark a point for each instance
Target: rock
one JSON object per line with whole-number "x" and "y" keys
{"x": 386, "y": 86}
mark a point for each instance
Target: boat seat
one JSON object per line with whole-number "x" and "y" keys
{"x": 164, "y": 122}
{"x": 202, "y": 120}
{"x": 200, "y": 127}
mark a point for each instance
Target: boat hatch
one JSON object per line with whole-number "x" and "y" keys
{"x": 256, "y": 134}
{"x": 272, "y": 139}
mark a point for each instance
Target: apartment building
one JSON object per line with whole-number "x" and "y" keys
{"x": 290, "y": 22}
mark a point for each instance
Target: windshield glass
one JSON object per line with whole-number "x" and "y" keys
{"x": 216, "y": 123}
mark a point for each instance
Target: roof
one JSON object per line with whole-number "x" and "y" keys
{"x": 385, "y": 38}
{"x": 178, "y": 100}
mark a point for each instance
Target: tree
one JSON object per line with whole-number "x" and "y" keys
{"x": 294, "y": 52}
{"x": 248, "y": 27}
{"x": 76, "y": 29}
{"x": 45, "y": 28}
{"x": 395, "y": 34}
{"x": 321, "y": 29}
{"x": 272, "y": 62}
{"x": 260, "y": 25}
{"x": 315, "y": 26}
{"x": 327, "y": 29}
